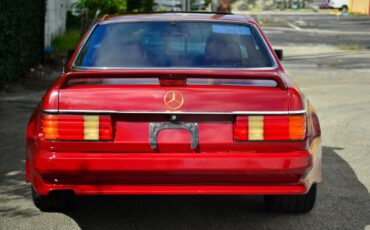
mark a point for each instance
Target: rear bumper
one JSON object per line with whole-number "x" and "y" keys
{"x": 205, "y": 173}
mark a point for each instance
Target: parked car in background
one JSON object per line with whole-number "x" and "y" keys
{"x": 175, "y": 103}
{"x": 339, "y": 4}
{"x": 325, "y": 4}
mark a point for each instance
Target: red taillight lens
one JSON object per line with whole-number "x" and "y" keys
{"x": 297, "y": 127}
{"x": 241, "y": 128}
{"x": 276, "y": 128}
{"x": 76, "y": 127}
{"x": 105, "y": 128}
{"x": 172, "y": 82}
{"x": 269, "y": 128}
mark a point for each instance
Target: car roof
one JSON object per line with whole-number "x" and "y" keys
{"x": 167, "y": 16}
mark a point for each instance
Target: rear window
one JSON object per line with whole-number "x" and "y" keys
{"x": 178, "y": 44}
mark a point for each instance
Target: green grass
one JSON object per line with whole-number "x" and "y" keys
{"x": 69, "y": 40}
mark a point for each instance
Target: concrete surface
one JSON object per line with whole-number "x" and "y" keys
{"x": 340, "y": 93}
{"x": 316, "y": 29}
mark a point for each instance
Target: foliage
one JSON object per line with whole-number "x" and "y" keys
{"x": 105, "y": 6}
{"x": 73, "y": 22}
{"x": 21, "y": 36}
{"x": 139, "y": 5}
{"x": 68, "y": 40}
{"x": 116, "y": 6}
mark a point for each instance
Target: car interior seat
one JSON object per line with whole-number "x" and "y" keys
{"x": 223, "y": 51}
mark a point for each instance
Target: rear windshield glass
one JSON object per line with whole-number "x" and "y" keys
{"x": 181, "y": 44}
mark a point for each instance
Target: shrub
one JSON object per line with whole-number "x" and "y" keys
{"x": 21, "y": 36}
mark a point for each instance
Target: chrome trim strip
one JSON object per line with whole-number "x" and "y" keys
{"x": 275, "y": 65}
{"x": 83, "y": 44}
{"x": 169, "y": 68}
{"x": 49, "y": 110}
{"x": 179, "y": 112}
{"x": 172, "y": 18}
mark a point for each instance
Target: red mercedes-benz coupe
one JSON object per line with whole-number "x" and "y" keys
{"x": 175, "y": 103}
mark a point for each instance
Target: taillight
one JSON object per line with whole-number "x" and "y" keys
{"x": 269, "y": 128}
{"x": 172, "y": 82}
{"x": 76, "y": 127}
{"x": 297, "y": 127}
{"x": 241, "y": 128}
{"x": 276, "y": 128}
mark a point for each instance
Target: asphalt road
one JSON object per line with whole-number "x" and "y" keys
{"x": 342, "y": 98}
{"x": 316, "y": 28}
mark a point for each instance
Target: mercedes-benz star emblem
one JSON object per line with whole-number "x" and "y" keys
{"x": 173, "y": 100}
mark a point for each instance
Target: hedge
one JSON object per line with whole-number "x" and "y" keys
{"x": 21, "y": 36}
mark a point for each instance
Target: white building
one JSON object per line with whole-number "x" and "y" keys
{"x": 55, "y": 18}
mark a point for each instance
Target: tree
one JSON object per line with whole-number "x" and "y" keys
{"x": 139, "y": 5}
{"x": 115, "y": 6}
{"x": 105, "y": 6}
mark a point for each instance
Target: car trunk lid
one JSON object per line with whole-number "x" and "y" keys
{"x": 184, "y": 112}
{"x": 157, "y": 92}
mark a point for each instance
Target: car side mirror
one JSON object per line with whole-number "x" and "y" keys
{"x": 279, "y": 54}
{"x": 70, "y": 53}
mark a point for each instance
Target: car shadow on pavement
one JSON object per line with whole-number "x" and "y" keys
{"x": 343, "y": 202}
{"x": 15, "y": 194}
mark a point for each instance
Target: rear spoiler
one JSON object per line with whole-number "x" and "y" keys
{"x": 178, "y": 74}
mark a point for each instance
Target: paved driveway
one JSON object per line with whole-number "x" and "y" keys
{"x": 342, "y": 98}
